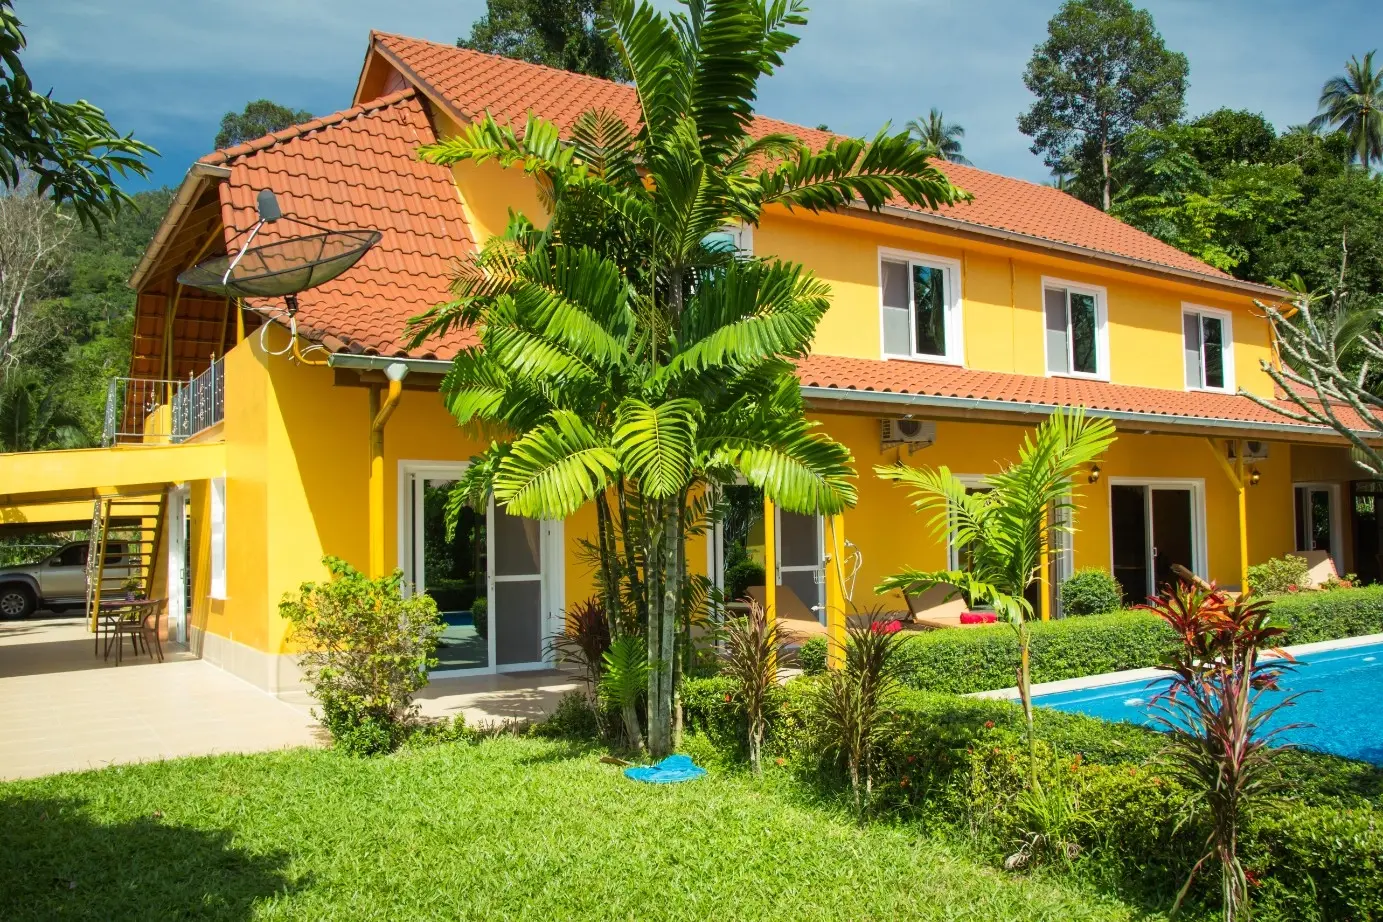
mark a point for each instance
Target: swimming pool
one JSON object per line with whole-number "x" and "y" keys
{"x": 1342, "y": 709}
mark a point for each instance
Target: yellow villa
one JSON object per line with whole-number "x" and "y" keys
{"x": 251, "y": 442}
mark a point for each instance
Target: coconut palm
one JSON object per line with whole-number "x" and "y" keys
{"x": 1005, "y": 526}
{"x": 940, "y": 137}
{"x": 629, "y": 359}
{"x": 1352, "y": 103}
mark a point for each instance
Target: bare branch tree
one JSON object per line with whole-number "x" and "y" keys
{"x": 1318, "y": 335}
{"x": 33, "y": 236}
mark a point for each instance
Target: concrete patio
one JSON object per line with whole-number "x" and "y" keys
{"x": 63, "y": 708}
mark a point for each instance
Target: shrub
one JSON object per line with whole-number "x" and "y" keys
{"x": 1279, "y": 574}
{"x": 812, "y": 656}
{"x": 584, "y": 639}
{"x": 1314, "y": 616}
{"x": 576, "y": 717}
{"x": 754, "y": 650}
{"x": 740, "y": 575}
{"x": 425, "y": 734}
{"x": 366, "y": 651}
{"x": 1091, "y": 591}
{"x": 480, "y": 616}
{"x": 985, "y": 658}
{"x": 1317, "y": 863}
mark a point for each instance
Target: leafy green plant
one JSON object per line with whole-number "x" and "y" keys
{"x": 850, "y": 707}
{"x": 576, "y": 717}
{"x": 623, "y": 680}
{"x": 480, "y": 616}
{"x": 633, "y": 359}
{"x": 754, "y": 651}
{"x": 366, "y": 651}
{"x": 1006, "y": 527}
{"x": 812, "y": 655}
{"x": 1050, "y": 823}
{"x": 584, "y": 639}
{"x": 1218, "y": 721}
{"x": 1287, "y": 573}
{"x": 1091, "y": 591}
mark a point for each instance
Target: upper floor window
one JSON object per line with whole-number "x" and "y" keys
{"x": 1077, "y": 340}
{"x": 1207, "y": 344}
{"x": 739, "y": 237}
{"x": 920, "y": 307}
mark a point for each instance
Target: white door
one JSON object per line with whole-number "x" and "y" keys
{"x": 175, "y": 527}
{"x": 801, "y": 567}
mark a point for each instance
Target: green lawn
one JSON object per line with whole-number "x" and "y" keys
{"x": 508, "y": 829}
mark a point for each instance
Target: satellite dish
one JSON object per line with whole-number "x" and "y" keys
{"x": 285, "y": 267}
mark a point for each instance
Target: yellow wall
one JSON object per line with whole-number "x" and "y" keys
{"x": 1001, "y": 292}
{"x": 297, "y": 473}
{"x": 891, "y": 535}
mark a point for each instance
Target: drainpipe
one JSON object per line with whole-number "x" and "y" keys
{"x": 379, "y": 416}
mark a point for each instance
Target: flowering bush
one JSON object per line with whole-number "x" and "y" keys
{"x": 886, "y": 627}
{"x": 978, "y": 617}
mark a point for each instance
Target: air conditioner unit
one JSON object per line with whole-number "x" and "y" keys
{"x": 915, "y": 433}
{"x": 1254, "y": 450}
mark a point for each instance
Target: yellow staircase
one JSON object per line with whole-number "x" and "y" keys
{"x": 137, "y": 524}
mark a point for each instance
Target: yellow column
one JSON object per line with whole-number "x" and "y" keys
{"x": 1240, "y": 483}
{"x": 835, "y": 589}
{"x": 770, "y": 561}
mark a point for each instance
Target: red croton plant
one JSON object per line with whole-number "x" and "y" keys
{"x": 1217, "y": 719}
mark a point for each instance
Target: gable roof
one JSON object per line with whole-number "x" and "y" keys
{"x": 471, "y": 83}
{"x": 357, "y": 168}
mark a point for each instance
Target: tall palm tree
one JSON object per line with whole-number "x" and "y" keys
{"x": 942, "y": 138}
{"x": 1352, "y": 103}
{"x": 1005, "y": 526}
{"x": 627, "y": 359}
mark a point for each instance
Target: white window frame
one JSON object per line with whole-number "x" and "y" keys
{"x": 217, "y": 533}
{"x": 1227, "y": 338}
{"x": 1102, "y": 358}
{"x": 970, "y": 482}
{"x": 742, "y": 235}
{"x": 955, "y": 320}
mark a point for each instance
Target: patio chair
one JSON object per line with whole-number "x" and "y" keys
{"x": 139, "y": 622}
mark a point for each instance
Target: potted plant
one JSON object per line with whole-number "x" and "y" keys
{"x": 132, "y": 589}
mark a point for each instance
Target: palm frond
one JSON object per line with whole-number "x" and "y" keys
{"x": 555, "y": 469}
{"x": 656, "y": 443}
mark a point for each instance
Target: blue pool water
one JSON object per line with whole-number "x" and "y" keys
{"x": 1342, "y": 709}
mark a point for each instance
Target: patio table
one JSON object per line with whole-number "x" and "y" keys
{"x": 119, "y": 618}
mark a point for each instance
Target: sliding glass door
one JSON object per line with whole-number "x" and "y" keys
{"x": 494, "y": 578}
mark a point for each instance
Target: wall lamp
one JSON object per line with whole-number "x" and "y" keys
{"x": 1254, "y": 477}
{"x": 1094, "y": 472}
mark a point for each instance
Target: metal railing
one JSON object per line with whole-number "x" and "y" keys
{"x": 160, "y": 411}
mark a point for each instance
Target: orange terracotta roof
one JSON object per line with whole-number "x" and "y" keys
{"x": 357, "y": 169}
{"x": 472, "y": 83}
{"x": 949, "y": 383}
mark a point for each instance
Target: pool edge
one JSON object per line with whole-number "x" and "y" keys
{"x": 1136, "y": 675}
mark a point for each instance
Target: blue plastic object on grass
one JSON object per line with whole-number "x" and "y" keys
{"x": 669, "y": 771}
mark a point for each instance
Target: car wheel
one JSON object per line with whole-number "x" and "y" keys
{"x": 16, "y": 601}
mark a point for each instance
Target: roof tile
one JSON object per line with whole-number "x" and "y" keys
{"x": 474, "y": 83}
{"x": 357, "y": 168}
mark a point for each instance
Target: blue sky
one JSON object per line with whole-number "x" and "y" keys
{"x": 168, "y": 69}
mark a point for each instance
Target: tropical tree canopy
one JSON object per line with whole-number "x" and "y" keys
{"x": 259, "y": 118}
{"x": 1102, "y": 72}
{"x": 1352, "y": 104}
{"x": 70, "y": 147}
{"x": 943, "y": 138}
{"x": 558, "y": 33}
{"x": 629, "y": 351}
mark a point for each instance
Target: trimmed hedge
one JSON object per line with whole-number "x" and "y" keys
{"x": 1330, "y": 614}
{"x": 972, "y": 659}
{"x": 976, "y": 659}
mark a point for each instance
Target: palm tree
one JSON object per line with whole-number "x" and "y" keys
{"x": 1352, "y": 103}
{"x": 940, "y": 137}
{"x": 34, "y": 417}
{"x": 627, "y": 359}
{"x": 1005, "y": 526}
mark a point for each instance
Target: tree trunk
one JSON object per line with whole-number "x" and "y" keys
{"x": 1025, "y": 693}
{"x": 1104, "y": 169}
{"x": 605, "y": 534}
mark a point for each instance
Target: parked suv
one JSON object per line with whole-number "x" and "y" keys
{"x": 58, "y": 582}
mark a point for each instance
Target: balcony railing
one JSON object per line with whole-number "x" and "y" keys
{"x": 153, "y": 411}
